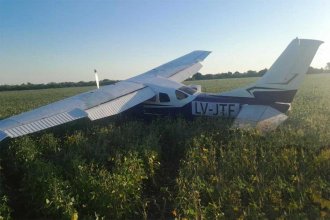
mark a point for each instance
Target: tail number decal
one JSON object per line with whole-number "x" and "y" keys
{"x": 215, "y": 109}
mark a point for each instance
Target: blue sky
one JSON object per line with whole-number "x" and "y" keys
{"x": 54, "y": 41}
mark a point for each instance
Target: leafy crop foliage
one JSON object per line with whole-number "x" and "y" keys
{"x": 170, "y": 168}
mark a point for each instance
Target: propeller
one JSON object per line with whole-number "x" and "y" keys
{"x": 97, "y": 79}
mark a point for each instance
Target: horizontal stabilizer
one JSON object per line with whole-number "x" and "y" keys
{"x": 261, "y": 117}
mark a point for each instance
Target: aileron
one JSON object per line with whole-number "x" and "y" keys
{"x": 16, "y": 130}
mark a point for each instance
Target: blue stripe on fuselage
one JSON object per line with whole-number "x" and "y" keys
{"x": 214, "y": 100}
{"x": 209, "y": 97}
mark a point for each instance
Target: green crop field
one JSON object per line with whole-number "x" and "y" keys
{"x": 169, "y": 168}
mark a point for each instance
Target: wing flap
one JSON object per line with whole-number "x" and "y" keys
{"x": 120, "y": 104}
{"x": 186, "y": 73}
{"x": 261, "y": 117}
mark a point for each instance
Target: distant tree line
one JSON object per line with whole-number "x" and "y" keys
{"x": 313, "y": 70}
{"x": 197, "y": 76}
{"x": 250, "y": 73}
{"x": 30, "y": 86}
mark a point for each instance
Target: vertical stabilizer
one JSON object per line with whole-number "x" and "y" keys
{"x": 281, "y": 81}
{"x": 289, "y": 69}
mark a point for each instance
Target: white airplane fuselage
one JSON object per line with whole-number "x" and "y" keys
{"x": 188, "y": 102}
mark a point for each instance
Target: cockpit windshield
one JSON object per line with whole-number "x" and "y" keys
{"x": 187, "y": 90}
{"x": 180, "y": 95}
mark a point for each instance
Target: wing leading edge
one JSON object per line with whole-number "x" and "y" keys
{"x": 177, "y": 70}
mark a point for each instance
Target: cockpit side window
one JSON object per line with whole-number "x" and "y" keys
{"x": 163, "y": 97}
{"x": 187, "y": 90}
{"x": 180, "y": 95}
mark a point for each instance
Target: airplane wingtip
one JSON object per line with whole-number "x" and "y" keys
{"x": 201, "y": 54}
{"x": 299, "y": 40}
{"x": 203, "y": 51}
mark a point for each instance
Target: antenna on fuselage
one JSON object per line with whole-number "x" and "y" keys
{"x": 97, "y": 79}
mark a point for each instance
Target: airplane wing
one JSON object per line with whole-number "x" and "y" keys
{"x": 106, "y": 101}
{"x": 179, "y": 69}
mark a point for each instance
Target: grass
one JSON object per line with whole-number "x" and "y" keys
{"x": 170, "y": 168}
{"x": 222, "y": 85}
{"x": 15, "y": 102}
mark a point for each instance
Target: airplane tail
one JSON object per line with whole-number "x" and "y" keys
{"x": 281, "y": 81}
{"x": 275, "y": 91}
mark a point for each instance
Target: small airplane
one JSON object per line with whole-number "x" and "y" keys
{"x": 160, "y": 91}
